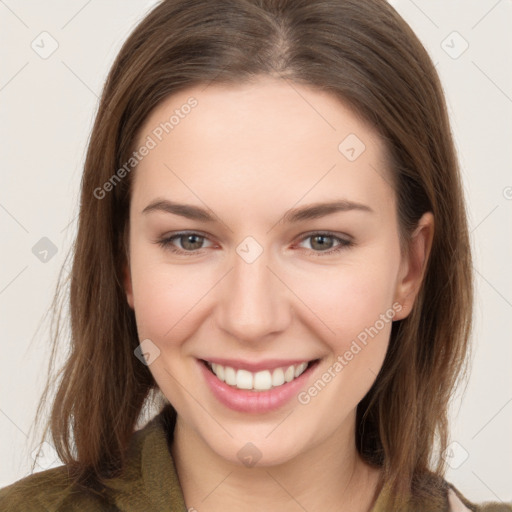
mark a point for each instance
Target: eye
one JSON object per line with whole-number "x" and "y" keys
{"x": 191, "y": 242}
{"x": 325, "y": 242}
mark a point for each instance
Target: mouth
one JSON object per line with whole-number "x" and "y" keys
{"x": 263, "y": 380}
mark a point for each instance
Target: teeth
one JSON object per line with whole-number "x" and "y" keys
{"x": 244, "y": 379}
{"x": 289, "y": 374}
{"x": 277, "y": 377}
{"x": 300, "y": 369}
{"x": 262, "y": 380}
{"x": 229, "y": 375}
{"x": 219, "y": 371}
{"x": 259, "y": 381}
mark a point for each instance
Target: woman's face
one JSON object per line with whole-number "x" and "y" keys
{"x": 266, "y": 276}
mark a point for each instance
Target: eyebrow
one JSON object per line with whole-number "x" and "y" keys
{"x": 308, "y": 212}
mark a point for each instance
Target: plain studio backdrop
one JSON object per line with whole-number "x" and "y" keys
{"x": 55, "y": 56}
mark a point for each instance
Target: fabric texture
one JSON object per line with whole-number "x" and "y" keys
{"x": 149, "y": 483}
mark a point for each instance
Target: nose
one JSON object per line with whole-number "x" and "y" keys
{"x": 254, "y": 302}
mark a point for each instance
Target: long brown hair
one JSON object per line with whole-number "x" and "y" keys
{"x": 365, "y": 54}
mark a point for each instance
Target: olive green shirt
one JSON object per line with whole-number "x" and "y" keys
{"x": 148, "y": 484}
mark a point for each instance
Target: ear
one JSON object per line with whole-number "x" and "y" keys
{"x": 127, "y": 275}
{"x": 414, "y": 264}
{"x": 127, "y": 282}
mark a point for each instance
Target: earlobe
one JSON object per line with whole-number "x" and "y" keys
{"x": 414, "y": 265}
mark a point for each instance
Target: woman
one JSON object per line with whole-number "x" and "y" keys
{"x": 272, "y": 236}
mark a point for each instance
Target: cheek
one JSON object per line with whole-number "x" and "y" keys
{"x": 349, "y": 299}
{"x": 357, "y": 306}
{"x": 168, "y": 297}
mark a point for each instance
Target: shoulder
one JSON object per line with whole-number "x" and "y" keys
{"x": 55, "y": 490}
{"x": 458, "y": 503}
{"x": 147, "y": 481}
{"x": 49, "y": 491}
{"x": 435, "y": 494}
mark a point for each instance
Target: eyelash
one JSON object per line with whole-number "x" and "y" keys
{"x": 166, "y": 243}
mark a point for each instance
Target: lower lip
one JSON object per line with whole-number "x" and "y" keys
{"x": 254, "y": 401}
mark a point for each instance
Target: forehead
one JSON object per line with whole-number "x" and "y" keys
{"x": 269, "y": 139}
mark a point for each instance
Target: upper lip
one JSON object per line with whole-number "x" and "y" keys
{"x": 255, "y": 366}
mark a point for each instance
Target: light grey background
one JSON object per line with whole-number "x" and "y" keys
{"x": 47, "y": 106}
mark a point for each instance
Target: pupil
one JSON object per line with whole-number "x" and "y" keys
{"x": 190, "y": 239}
{"x": 322, "y": 245}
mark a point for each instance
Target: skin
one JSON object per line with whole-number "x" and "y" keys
{"x": 250, "y": 153}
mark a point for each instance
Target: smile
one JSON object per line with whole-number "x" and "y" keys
{"x": 258, "y": 381}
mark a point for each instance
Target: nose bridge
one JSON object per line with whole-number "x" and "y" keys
{"x": 254, "y": 301}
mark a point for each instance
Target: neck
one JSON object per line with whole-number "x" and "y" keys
{"x": 329, "y": 476}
